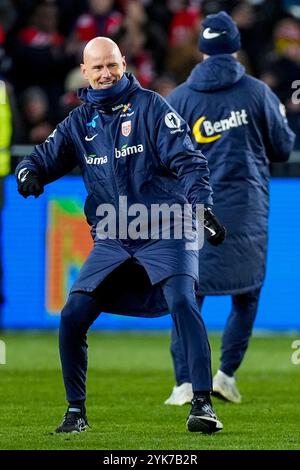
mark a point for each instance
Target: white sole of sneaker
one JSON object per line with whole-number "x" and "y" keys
{"x": 204, "y": 425}
{"x": 71, "y": 432}
{"x": 221, "y": 396}
{"x": 179, "y": 403}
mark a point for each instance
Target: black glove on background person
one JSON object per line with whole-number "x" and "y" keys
{"x": 28, "y": 183}
{"x": 215, "y": 232}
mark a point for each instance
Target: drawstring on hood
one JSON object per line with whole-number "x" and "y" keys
{"x": 216, "y": 73}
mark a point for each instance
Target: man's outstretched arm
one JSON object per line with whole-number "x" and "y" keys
{"x": 177, "y": 153}
{"x": 49, "y": 161}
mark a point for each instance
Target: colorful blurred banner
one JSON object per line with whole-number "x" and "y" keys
{"x": 46, "y": 240}
{"x": 68, "y": 245}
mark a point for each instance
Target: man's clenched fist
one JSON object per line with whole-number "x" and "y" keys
{"x": 29, "y": 184}
{"x": 215, "y": 232}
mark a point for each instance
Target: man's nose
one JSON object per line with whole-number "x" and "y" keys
{"x": 106, "y": 72}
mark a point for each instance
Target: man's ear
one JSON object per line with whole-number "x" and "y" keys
{"x": 83, "y": 71}
{"x": 124, "y": 63}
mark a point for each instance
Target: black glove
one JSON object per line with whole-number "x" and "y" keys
{"x": 29, "y": 184}
{"x": 215, "y": 232}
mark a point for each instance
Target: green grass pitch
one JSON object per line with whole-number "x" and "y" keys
{"x": 129, "y": 378}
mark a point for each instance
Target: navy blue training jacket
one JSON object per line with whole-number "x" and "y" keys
{"x": 239, "y": 124}
{"x": 136, "y": 146}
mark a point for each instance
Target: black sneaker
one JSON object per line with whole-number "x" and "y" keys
{"x": 73, "y": 421}
{"x": 202, "y": 417}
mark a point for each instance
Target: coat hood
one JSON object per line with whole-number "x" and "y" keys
{"x": 215, "y": 73}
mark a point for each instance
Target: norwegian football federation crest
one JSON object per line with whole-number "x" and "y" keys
{"x": 126, "y": 128}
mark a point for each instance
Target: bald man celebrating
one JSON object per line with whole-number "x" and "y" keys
{"x": 133, "y": 150}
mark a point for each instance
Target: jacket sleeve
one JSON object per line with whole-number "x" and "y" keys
{"x": 279, "y": 138}
{"x": 53, "y": 158}
{"x": 176, "y": 152}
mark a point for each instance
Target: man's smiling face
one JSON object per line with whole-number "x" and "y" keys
{"x": 103, "y": 64}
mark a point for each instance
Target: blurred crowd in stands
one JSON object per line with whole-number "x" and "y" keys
{"x": 41, "y": 43}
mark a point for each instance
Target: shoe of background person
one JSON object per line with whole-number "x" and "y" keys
{"x": 225, "y": 387}
{"x": 202, "y": 417}
{"x": 73, "y": 421}
{"x": 180, "y": 395}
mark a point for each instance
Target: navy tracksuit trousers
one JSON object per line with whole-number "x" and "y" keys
{"x": 82, "y": 309}
{"x": 235, "y": 338}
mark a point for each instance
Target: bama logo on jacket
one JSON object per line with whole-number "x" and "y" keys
{"x": 92, "y": 159}
{"x": 131, "y": 150}
{"x": 206, "y": 131}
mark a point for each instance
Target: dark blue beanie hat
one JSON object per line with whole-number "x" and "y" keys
{"x": 219, "y": 35}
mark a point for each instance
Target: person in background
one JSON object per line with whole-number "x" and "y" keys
{"x": 102, "y": 18}
{"x": 38, "y": 48}
{"x": 164, "y": 84}
{"x": 281, "y": 69}
{"x": 240, "y": 125}
{"x": 35, "y": 115}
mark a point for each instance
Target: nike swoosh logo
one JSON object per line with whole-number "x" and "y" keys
{"x": 210, "y": 230}
{"x": 23, "y": 174}
{"x": 90, "y": 138}
{"x": 208, "y": 34}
